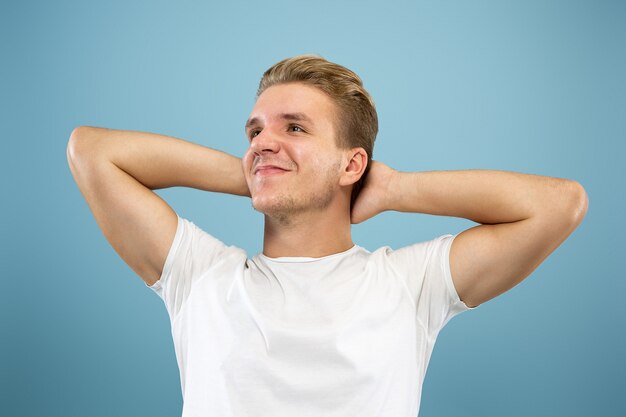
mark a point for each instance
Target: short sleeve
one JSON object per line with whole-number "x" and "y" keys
{"x": 425, "y": 267}
{"x": 192, "y": 254}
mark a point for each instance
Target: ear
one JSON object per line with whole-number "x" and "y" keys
{"x": 356, "y": 159}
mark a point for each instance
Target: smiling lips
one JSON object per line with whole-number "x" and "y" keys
{"x": 266, "y": 170}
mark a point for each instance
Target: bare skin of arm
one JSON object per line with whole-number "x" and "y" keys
{"x": 116, "y": 171}
{"x": 523, "y": 217}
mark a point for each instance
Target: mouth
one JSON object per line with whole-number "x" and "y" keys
{"x": 269, "y": 170}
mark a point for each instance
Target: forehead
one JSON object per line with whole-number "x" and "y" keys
{"x": 294, "y": 99}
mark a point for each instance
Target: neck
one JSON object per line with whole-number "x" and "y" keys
{"x": 308, "y": 234}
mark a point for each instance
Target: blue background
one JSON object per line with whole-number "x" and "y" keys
{"x": 527, "y": 86}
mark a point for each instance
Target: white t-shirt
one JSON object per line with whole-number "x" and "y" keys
{"x": 349, "y": 334}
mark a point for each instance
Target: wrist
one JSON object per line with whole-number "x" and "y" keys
{"x": 392, "y": 190}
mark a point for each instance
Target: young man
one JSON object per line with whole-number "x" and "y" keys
{"x": 315, "y": 325}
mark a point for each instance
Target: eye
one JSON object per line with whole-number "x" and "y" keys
{"x": 296, "y": 127}
{"x": 253, "y": 133}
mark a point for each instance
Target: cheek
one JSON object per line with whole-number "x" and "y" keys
{"x": 307, "y": 158}
{"x": 246, "y": 161}
{"x": 246, "y": 164}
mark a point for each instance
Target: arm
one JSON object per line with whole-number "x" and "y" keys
{"x": 117, "y": 170}
{"x": 523, "y": 217}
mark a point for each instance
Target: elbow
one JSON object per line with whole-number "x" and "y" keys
{"x": 81, "y": 143}
{"x": 79, "y": 133}
{"x": 74, "y": 143}
{"x": 565, "y": 210}
{"x": 578, "y": 202}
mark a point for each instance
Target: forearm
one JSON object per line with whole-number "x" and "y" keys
{"x": 159, "y": 161}
{"x": 483, "y": 196}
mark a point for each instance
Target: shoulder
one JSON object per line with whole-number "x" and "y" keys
{"x": 198, "y": 237}
{"x": 416, "y": 252}
{"x": 194, "y": 250}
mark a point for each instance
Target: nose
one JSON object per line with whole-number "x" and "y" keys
{"x": 264, "y": 142}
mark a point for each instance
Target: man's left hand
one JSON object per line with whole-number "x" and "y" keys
{"x": 375, "y": 196}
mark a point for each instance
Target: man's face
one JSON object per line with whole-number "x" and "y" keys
{"x": 293, "y": 163}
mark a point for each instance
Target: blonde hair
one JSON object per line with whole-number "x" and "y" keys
{"x": 356, "y": 122}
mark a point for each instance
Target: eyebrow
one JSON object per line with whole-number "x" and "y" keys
{"x": 296, "y": 117}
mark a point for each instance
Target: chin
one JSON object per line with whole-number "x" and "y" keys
{"x": 273, "y": 204}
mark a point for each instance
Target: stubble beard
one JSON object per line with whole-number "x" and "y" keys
{"x": 285, "y": 208}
